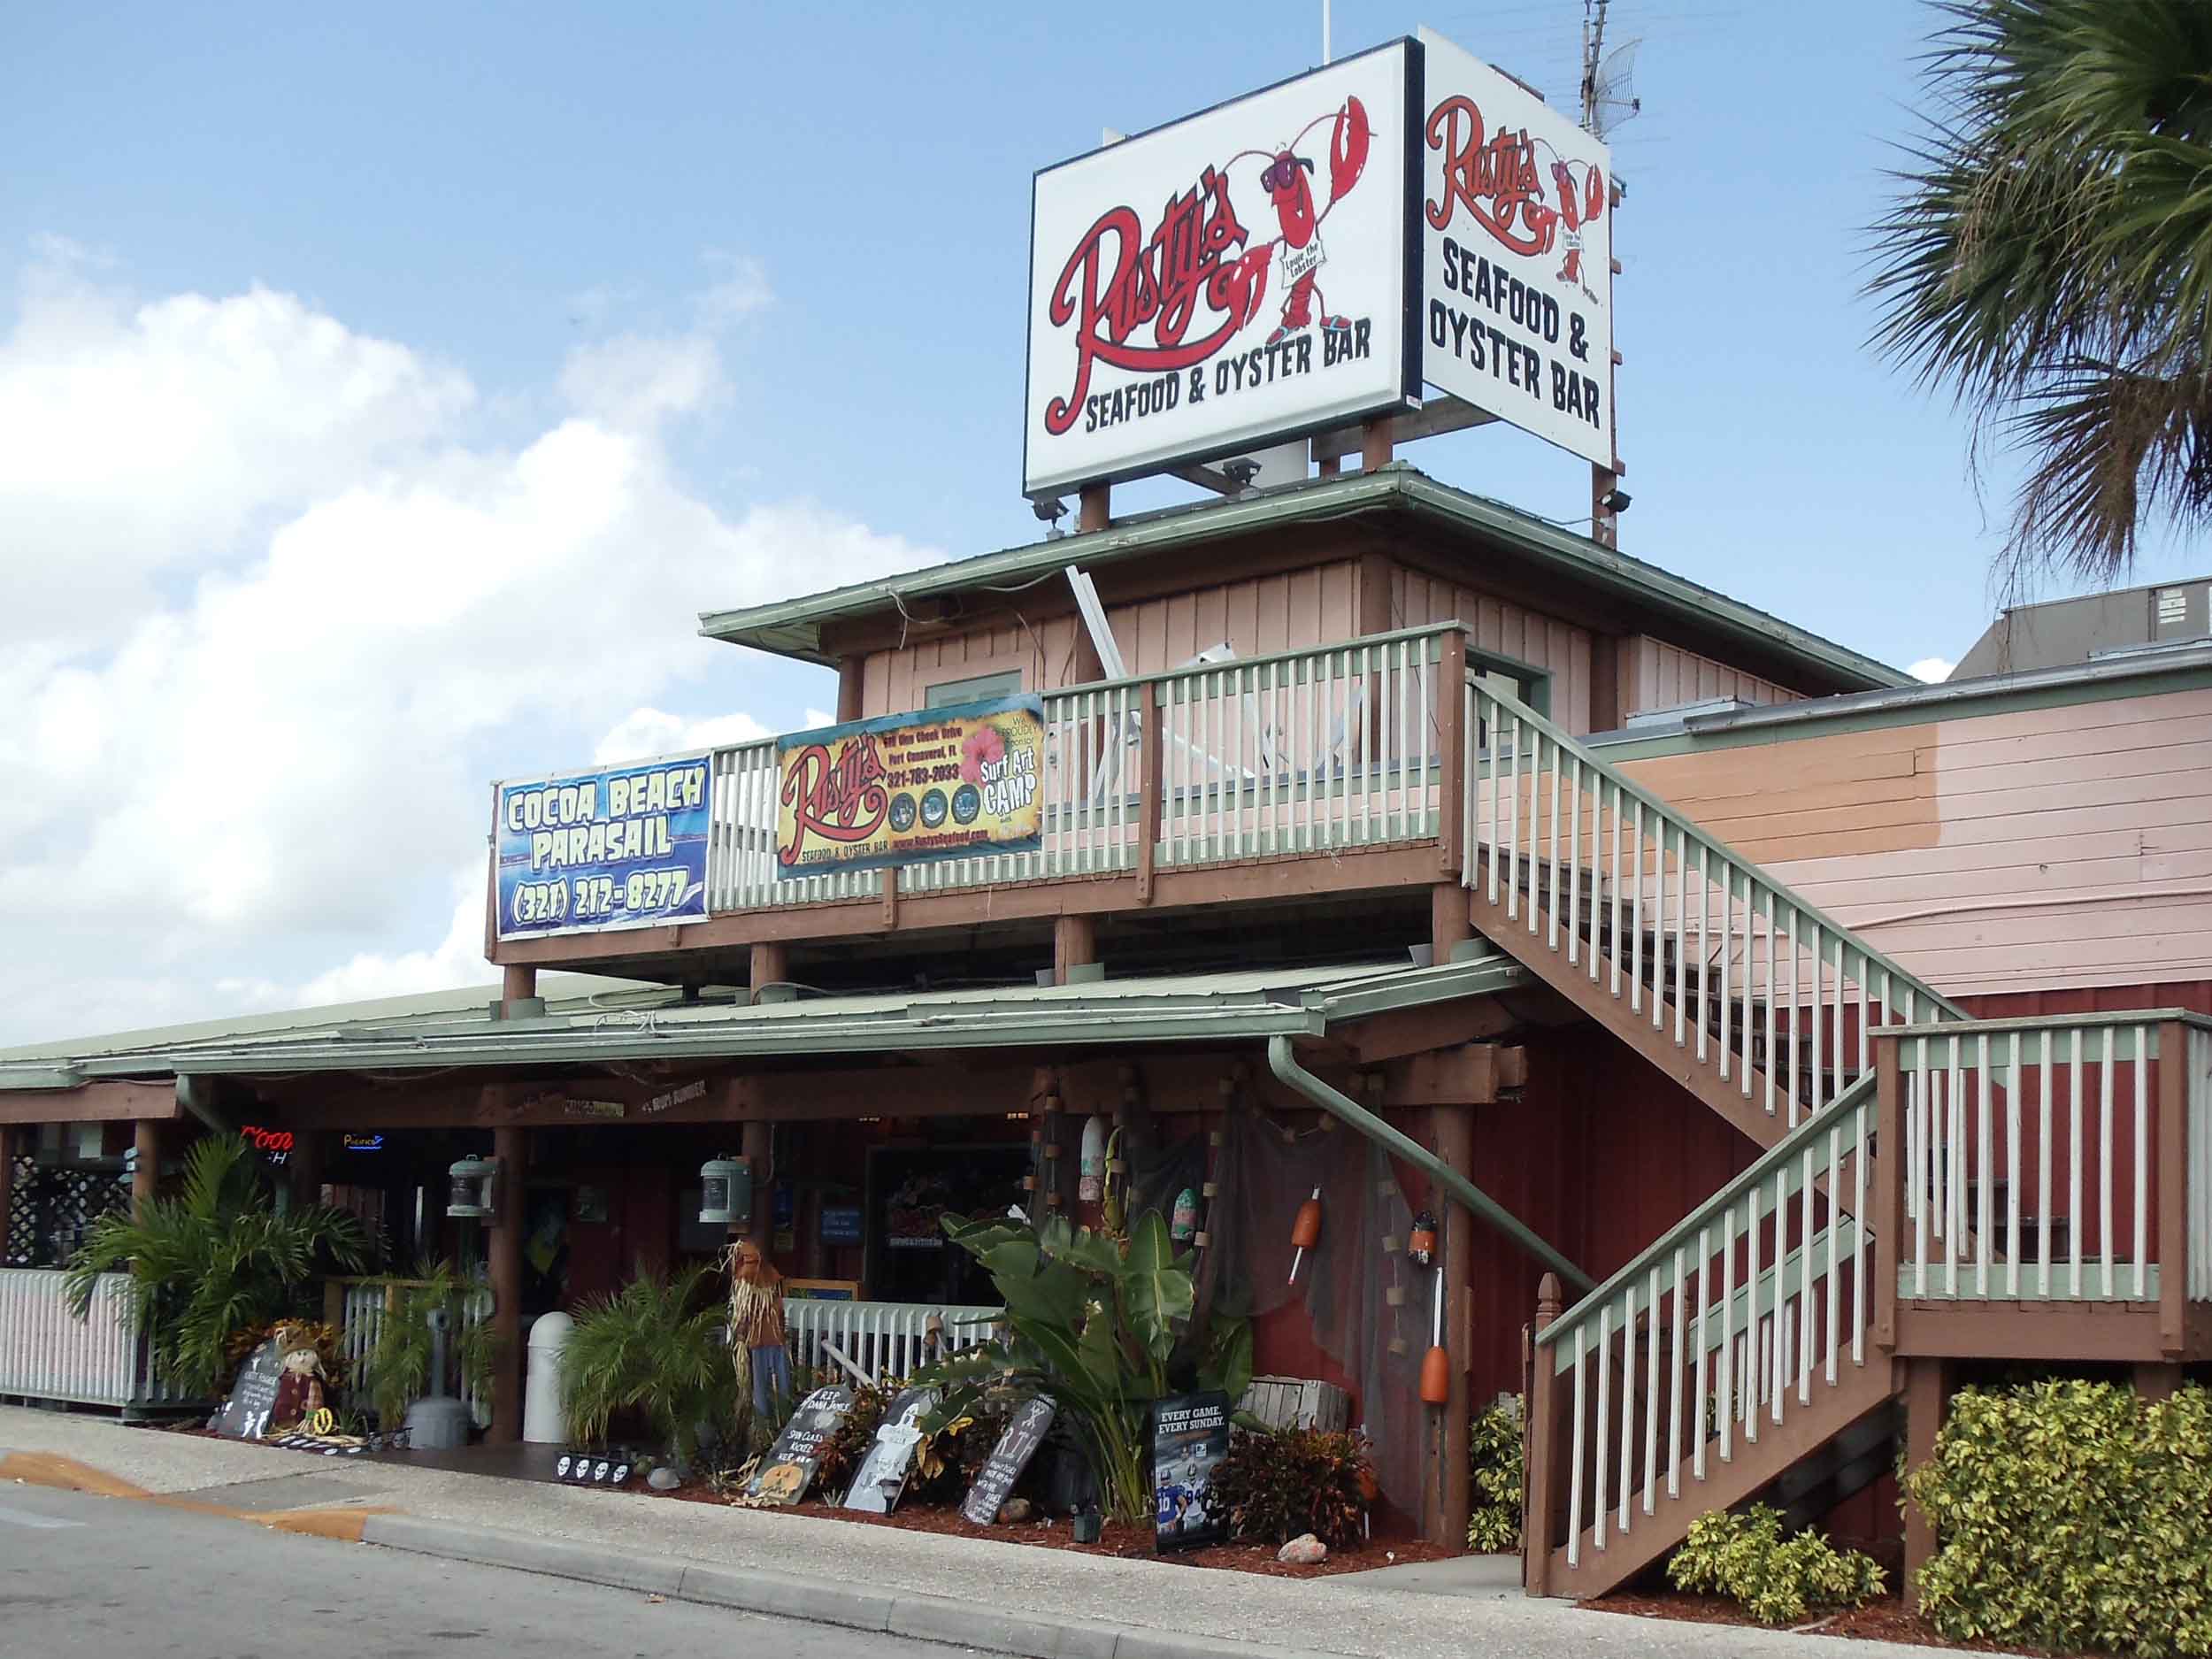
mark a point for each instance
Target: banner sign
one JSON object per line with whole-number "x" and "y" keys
{"x": 908, "y": 788}
{"x": 1190, "y": 1441}
{"x": 1228, "y": 280}
{"x": 590, "y": 851}
{"x": 1516, "y": 262}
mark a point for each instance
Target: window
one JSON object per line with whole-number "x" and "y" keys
{"x": 945, "y": 692}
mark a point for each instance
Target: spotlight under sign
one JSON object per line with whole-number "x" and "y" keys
{"x": 1243, "y": 276}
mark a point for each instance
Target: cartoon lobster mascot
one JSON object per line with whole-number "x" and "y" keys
{"x": 1291, "y": 192}
{"x": 1573, "y": 217}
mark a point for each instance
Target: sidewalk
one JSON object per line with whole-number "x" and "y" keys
{"x": 1002, "y": 1597}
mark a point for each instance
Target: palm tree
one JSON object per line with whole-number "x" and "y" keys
{"x": 2049, "y": 261}
{"x": 656, "y": 1344}
{"x": 216, "y": 1259}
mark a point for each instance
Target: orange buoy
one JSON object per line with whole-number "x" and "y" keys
{"x": 1421, "y": 1244}
{"x": 1305, "y": 1232}
{"x": 1436, "y": 1377}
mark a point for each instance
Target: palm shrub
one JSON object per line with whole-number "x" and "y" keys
{"x": 1100, "y": 1325}
{"x": 657, "y": 1345}
{"x": 215, "y": 1259}
{"x": 395, "y": 1371}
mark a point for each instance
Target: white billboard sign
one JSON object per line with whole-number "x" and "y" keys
{"x": 1243, "y": 276}
{"x": 1516, "y": 262}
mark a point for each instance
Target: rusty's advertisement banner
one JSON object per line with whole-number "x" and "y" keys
{"x": 908, "y": 788}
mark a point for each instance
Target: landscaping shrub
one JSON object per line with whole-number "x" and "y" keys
{"x": 1777, "y": 1580}
{"x": 1280, "y": 1485}
{"x": 657, "y": 1345}
{"x": 950, "y": 1458}
{"x": 2071, "y": 1515}
{"x": 841, "y": 1452}
{"x": 1493, "y": 1456}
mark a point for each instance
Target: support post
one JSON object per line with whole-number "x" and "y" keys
{"x": 1885, "y": 1174}
{"x": 518, "y": 983}
{"x": 1095, "y": 508}
{"x": 770, "y": 966}
{"x": 851, "y": 681}
{"x": 1447, "y": 920}
{"x": 8, "y": 1139}
{"x": 510, "y": 1146}
{"x": 753, "y": 1147}
{"x": 1542, "y": 1465}
{"x": 1377, "y": 445}
{"x": 1451, "y": 708}
{"x": 2173, "y": 1185}
{"x": 2154, "y": 1380}
{"x": 1927, "y": 1402}
{"x": 146, "y": 1163}
{"x": 1149, "y": 796}
{"x": 1605, "y": 524}
{"x": 308, "y": 1164}
{"x": 1074, "y": 943}
{"x": 1455, "y": 1145}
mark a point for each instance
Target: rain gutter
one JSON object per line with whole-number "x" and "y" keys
{"x": 1471, "y": 1198}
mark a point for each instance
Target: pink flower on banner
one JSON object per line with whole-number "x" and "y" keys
{"x": 984, "y": 746}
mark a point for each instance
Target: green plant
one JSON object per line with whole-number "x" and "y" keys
{"x": 1102, "y": 1326}
{"x": 951, "y": 1455}
{"x": 214, "y": 1260}
{"x": 841, "y": 1452}
{"x": 395, "y": 1372}
{"x": 1777, "y": 1580}
{"x": 1493, "y": 1458}
{"x": 2049, "y": 260}
{"x": 656, "y": 1344}
{"x": 1281, "y": 1483}
{"x": 2071, "y": 1515}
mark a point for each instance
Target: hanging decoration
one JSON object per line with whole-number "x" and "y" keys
{"x": 1436, "y": 1365}
{"x": 1305, "y": 1232}
{"x": 1091, "y": 1168}
{"x": 1421, "y": 1245}
{"x": 1116, "y": 1213}
{"x": 1183, "y": 1223}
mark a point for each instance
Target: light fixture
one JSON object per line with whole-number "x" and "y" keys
{"x": 1614, "y": 500}
{"x": 473, "y": 1194}
{"x": 725, "y": 1193}
{"x": 1050, "y": 510}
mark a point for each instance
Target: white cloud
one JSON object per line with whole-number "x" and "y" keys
{"x": 1934, "y": 670}
{"x": 270, "y": 762}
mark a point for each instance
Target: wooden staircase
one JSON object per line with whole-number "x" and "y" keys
{"x": 1735, "y": 1358}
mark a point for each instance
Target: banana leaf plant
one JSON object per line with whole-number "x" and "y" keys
{"x": 1104, "y": 1327}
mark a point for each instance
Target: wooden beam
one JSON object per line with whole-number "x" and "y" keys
{"x": 1260, "y": 880}
{"x": 2058, "y": 1331}
{"x": 510, "y": 1146}
{"x": 115, "y": 1099}
{"x": 1382, "y": 1037}
{"x": 1469, "y": 1075}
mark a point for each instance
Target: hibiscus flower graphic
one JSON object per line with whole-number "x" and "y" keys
{"x": 984, "y": 746}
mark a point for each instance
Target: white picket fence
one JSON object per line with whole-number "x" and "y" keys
{"x": 47, "y": 1353}
{"x": 872, "y": 1342}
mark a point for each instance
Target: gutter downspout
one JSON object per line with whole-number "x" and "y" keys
{"x": 1470, "y": 1197}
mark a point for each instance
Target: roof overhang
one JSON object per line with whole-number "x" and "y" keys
{"x": 1200, "y": 1008}
{"x": 793, "y": 627}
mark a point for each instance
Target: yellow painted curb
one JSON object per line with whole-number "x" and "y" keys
{"x": 66, "y": 1474}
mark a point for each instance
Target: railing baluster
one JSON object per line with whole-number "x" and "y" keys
{"x": 2075, "y": 1230}
{"x": 2104, "y": 1158}
{"x": 1574, "y": 862}
{"x": 1628, "y": 1400}
{"x": 1636, "y": 918}
{"x": 1651, "y": 1393}
{"x": 2012, "y": 1165}
{"x": 2142, "y": 1035}
{"x": 1727, "y": 1411}
{"x": 1602, "y": 1465}
{"x": 2043, "y": 1164}
{"x": 1985, "y": 1188}
{"x": 1751, "y": 1318}
{"x": 1574, "y": 1465}
{"x": 1704, "y": 1326}
{"x": 1674, "y": 1385}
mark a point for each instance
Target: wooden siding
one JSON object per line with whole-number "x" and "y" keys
{"x": 1663, "y": 676}
{"x": 1559, "y": 647}
{"x": 1279, "y": 611}
{"x": 2055, "y": 847}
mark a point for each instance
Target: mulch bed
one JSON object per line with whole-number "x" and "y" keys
{"x": 1125, "y": 1542}
{"x": 1884, "y": 1619}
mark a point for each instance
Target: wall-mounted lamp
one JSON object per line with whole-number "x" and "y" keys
{"x": 1614, "y": 500}
{"x": 473, "y": 1196}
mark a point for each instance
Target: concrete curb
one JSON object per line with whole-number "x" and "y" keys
{"x": 818, "y": 1600}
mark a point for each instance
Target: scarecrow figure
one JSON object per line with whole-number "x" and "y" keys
{"x": 299, "y": 1395}
{"x": 756, "y": 1324}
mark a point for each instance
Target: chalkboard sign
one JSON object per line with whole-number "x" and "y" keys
{"x": 245, "y": 1415}
{"x": 1025, "y": 1433}
{"x": 1190, "y": 1437}
{"x": 883, "y": 1472}
{"x": 788, "y": 1471}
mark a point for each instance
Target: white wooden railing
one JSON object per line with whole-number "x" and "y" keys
{"x": 1297, "y": 751}
{"x": 1676, "y": 924}
{"x": 1730, "y": 1321}
{"x": 875, "y": 1341}
{"x": 47, "y": 1353}
{"x": 364, "y": 1308}
{"x": 2056, "y": 1159}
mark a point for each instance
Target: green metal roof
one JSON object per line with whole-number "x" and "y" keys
{"x": 657, "y": 1025}
{"x": 793, "y": 627}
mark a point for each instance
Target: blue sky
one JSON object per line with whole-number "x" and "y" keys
{"x": 777, "y": 255}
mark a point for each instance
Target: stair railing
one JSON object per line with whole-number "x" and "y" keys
{"x": 1670, "y": 919}
{"x": 1742, "y": 1309}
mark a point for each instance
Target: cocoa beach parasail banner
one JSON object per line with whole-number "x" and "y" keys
{"x": 1239, "y": 277}
{"x": 1310, "y": 255}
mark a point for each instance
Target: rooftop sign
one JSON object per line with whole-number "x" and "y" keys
{"x": 1307, "y": 256}
{"x": 1243, "y": 276}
